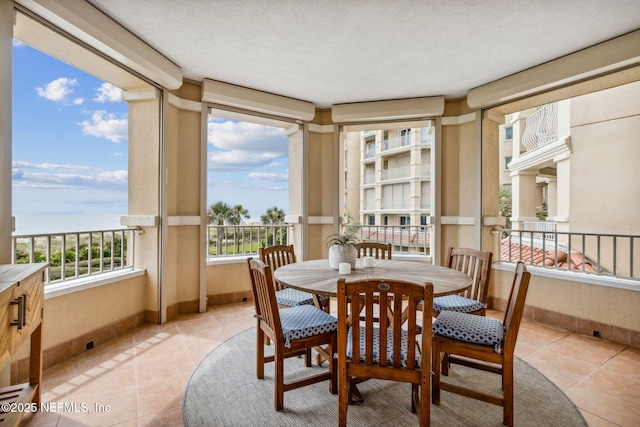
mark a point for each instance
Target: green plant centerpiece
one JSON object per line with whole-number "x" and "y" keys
{"x": 342, "y": 249}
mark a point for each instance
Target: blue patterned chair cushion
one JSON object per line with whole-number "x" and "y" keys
{"x": 376, "y": 347}
{"x": 470, "y": 328}
{"x": 457, "y": 303}
{"x": 293, "y": 297}
{"x": 305, "y": 321}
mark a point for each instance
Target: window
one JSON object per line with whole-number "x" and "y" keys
{"x": 404, "y": 137}
{"x": 424, "y": 135}
{"x": 508, "y": 133}
{"x": 507, "y": 160}
{"x": 372, "y": 220}
{"x": 405, "y": 220}
{"x": 71, "y": 172}
{"x": 370, "y": 150}
{"x": 385, "y": 220}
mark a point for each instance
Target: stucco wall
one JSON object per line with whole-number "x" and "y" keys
{"x": 597, "y": 303}
{"x": 69, "y": 316}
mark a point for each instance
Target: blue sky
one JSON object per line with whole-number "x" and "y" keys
{"x": 69, "y": 161}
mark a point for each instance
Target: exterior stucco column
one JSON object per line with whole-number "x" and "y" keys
{"x": 6, "y": 71}
{"x": 523, "y": 198}
{"x": 144, "y": 190}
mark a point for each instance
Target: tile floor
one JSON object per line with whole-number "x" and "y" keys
{"x": 139, "y": 378}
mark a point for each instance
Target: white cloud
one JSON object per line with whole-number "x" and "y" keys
{"x": 114, "y": 180}
{"x": 58, "y": 90}
{"x": 106, "y": 125}
{"x": 29, "y": 165}
{"x": 235, "y": 160}
{"x": 108, "y": 93}
{"x": 247, "y": 136}
{"x": 244, "y": 145}
{"x": 270, "y": 177}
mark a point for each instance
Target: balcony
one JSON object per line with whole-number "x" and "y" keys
{"x": 398, "y": 142}
{"x": 77, "y": 255}
{"x": 400, "y": 172}
{"x": 244, "y": 240}
{"x": 602, "y": 255}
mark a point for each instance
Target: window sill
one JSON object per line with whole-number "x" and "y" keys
{"x": 81, "y": 284}
{"x": 586, "y": 278}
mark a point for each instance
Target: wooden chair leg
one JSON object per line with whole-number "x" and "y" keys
{"x": 445, "y": 364}
{"x": 436, "y": 366}
{"x": 307, "y": 358}
{"x": 279, "y": 379}
{"x": 333, "y": 367}
{"x": 344, "y": 396}
{"x": 259, "y": 352}
{"x": 507, "y": 389}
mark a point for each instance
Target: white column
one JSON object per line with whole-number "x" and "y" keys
{"x": 6, "y": 81}
{"x": 552, "y": 198}
{"x": 563, "y": 184}
{"x": 523, "y": 193}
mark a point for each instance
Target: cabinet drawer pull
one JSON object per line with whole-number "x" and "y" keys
{"x": 21, "y": 302}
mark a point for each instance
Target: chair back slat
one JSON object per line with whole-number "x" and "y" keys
{"x": 375, "y": 249}
{"x": 264, "y": 296}
{"x": 515, "y": 307}
{"x": 477, "y": 265}
{"x": 276, "y": 256}
{"x": 401, "y": 297}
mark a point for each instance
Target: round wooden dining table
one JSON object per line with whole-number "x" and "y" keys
{"x": 318, "y": 278}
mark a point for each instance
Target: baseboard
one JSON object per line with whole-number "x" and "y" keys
{"x": 68, "y": 349}
{"x": 230, "y": 298}
{"x": 574, "y": 323}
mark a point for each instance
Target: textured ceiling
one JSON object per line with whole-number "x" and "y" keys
{"x": 336, "y": 51}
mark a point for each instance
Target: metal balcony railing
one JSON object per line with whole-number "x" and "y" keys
{"x": 541, "y": 127}
{"x": 611, "y": 255}
{"x": 398, "y": 172}
{"x": 234, "y": 240}
{"x": 397, "y": 142}
{"x": 406, "y": 239}
{"x": 77, "y": 254}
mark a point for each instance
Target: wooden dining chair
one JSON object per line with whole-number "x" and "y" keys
{"x": 278, "y": 255}
{"x": 366, "y": 350}
{"x": 477, "y": 265}
{"x": 482, "y": 343}
{"x": 293, "y": 331}
{"x": 375, "y": 249}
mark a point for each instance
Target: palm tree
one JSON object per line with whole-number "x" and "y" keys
{"x": 217, "y": 214}
{"x": 273, "y": 216}
{"x": 237, "y": 214}
{"x": 504, "y": 203}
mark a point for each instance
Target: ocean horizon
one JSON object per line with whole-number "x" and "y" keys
{"x": 63, "y": 223}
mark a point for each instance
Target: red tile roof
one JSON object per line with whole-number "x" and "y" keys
{"x": 514, "y": 252}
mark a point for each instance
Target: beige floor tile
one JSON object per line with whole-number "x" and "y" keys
{"x": 594, "y": 351}
{"x": 562, "y": 371}
{"x": 595, "y": 421}
{"x": 171, "y": 418}
{"x": 601, "y": 403}
{"x": 164, "y": 365}
{"x": 109, "y": 408}
{"x": 163, "y": 394}
{"x": 626, "y": 363}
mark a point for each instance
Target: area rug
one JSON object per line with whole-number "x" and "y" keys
{"x": 224, "y": 391}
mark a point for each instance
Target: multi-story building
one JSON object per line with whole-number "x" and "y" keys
{"x": 393, "y": 171}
